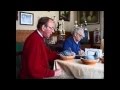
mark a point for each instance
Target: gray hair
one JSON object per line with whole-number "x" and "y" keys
{"x": 78, "y": 30}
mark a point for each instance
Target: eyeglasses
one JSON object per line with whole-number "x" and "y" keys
{"x": 51, "y": 28}
{"x": 80, "y": 35}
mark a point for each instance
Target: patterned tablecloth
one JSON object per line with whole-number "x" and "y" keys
{"x": 75, "y": 69}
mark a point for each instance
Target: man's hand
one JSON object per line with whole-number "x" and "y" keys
{"x": 58, "y": 72}
{"x": 81, "y": 53}
{"x": 73, "y": 53}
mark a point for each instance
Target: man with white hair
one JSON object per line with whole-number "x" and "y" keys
{"x": 73, "y": 42}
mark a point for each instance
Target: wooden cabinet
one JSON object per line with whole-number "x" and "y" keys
{"x": 96, "y": 46}
{"x": 85, "y": 46}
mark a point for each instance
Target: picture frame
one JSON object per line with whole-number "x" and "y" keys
{"x": 26, "y": 18}
{"x": 92, "y": 17}
{"x": 97, "y": 38}
{"x": 65, "y": 15}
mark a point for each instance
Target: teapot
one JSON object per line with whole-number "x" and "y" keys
{"x": 92, "y": 57}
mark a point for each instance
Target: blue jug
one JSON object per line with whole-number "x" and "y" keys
{"x": 92, "y": 57}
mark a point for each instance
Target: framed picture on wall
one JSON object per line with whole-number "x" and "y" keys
{"x": 26, "y": 18}
{"x": 92, "y": 17}
{"x": 65, "y": 15}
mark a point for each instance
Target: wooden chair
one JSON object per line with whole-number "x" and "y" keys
{"x": 19, "y": 48}
{"x": 18, "y": 64}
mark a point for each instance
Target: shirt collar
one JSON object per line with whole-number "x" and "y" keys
{"x": 75, "y": 41}
{"x": 39, "y": 33}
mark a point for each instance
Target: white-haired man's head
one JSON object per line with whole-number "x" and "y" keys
{"x": 78, "y": 34}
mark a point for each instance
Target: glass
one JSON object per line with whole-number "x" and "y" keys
{"x": 80, "y": 35}
{"x": 52, "y": 28}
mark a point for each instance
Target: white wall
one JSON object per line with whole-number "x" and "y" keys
{"x": 100, "y": 26}
{"x": 68, "y": 24}
{"x": 38, "y": 14}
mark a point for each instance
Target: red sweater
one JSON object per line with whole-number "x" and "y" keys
{"x": 36, "y": 57}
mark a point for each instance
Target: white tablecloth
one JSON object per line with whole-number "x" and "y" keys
{"x": 75, "y": 69}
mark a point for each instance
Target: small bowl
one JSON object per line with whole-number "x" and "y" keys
{"x": 67, "y": 57}
{"x": 89, "y": 62}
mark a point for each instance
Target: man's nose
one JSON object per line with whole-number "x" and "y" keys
{"x": 53, "y": 30}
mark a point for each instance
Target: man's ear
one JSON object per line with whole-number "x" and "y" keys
{"x": 75, "y": 34}
{"x": 43, "y": 27}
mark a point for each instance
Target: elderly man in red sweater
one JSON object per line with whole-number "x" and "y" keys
{"x": 36, "y": 55}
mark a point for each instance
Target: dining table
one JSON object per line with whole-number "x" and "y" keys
{"x": 75, "y": 69}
